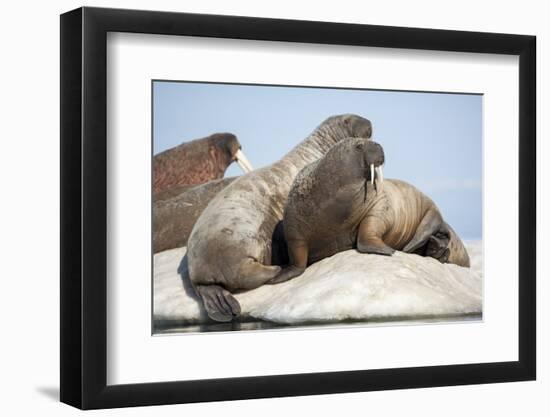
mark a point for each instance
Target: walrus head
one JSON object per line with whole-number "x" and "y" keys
{"x": 226, "y": 148}
{"x": 359, "y": 126}
{"x": 354, "y": 125}
{"x": 356, "y": 158}
{"x": 373, "y": 158}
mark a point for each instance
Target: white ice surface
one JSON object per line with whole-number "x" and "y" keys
{"x": 346, "y": 286}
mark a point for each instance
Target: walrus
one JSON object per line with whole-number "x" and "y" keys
{"x": 341, "y": 202}
{"x": 197, "y": 162}
{"x": 230, "y": 247}
{"x": 175, "y": 212}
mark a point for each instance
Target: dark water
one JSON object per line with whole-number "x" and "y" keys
{"x": 163, "y": 328}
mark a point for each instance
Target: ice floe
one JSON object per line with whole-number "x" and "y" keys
{"x": 346, "y": 286}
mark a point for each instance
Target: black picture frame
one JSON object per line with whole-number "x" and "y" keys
{"x": 84, "y": 207}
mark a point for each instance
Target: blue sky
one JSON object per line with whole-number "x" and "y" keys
{"x": 431, "y": 140}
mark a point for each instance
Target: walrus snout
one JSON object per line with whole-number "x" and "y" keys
{"x": 374, "y": 159}
{"x": 234, "y": 149}
{"x": 374, "y": 154}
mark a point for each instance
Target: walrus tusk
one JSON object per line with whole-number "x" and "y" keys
{"x": 379, "y": 174}
{"x": 243, "y": 162}
{"x": 371, "y": 174}
{"x": 379, "y": 177}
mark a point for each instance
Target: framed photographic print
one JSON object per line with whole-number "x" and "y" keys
{"x": 256, "y": 207}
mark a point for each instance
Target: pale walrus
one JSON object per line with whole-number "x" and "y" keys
{"x": 197, "y": 162}
{"x": 230, "y": 247}
{"x": 342, "y": 202}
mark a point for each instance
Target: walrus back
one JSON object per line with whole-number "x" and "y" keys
{"x": 409, "y": 205}
{"x": 241, "y": 219}
{"x": 404, "y": 208}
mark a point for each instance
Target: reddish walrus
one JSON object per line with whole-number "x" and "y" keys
{"x": 341, "y": 202}
{"x": 230, "y": 247}
{"x": 197, "y": 162}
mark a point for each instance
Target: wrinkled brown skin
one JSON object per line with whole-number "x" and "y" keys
{"x": 230, "y": 248}
{"x": 331, "y": 209}
{"x": 175, "y": 212}
{"x": 175, "y": 191}
{"x": 195, "y": 162}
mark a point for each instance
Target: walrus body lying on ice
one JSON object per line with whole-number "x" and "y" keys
{"x": 342, "y": 202}
{"x": 176, "y": 211}
{"x": 230, "y": 247}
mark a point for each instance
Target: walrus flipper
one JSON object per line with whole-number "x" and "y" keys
{"x": 298, "y": 254}
{"x": 253, "y": 274}
{"x": 438, "y": 246}
{"x": 430, "y": 224}
{"x": 286, "y": 274}
{"x": 219, "y": 304}
{"x": 369, "y": 237}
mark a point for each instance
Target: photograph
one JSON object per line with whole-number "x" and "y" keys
{"x": 295, "y": 207}
{"x": 261, "y": 206}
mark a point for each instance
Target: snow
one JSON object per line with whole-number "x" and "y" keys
{"x": 346, "y": 286}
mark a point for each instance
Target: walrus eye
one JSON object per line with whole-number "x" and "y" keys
{"x": 358, "y": 146}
